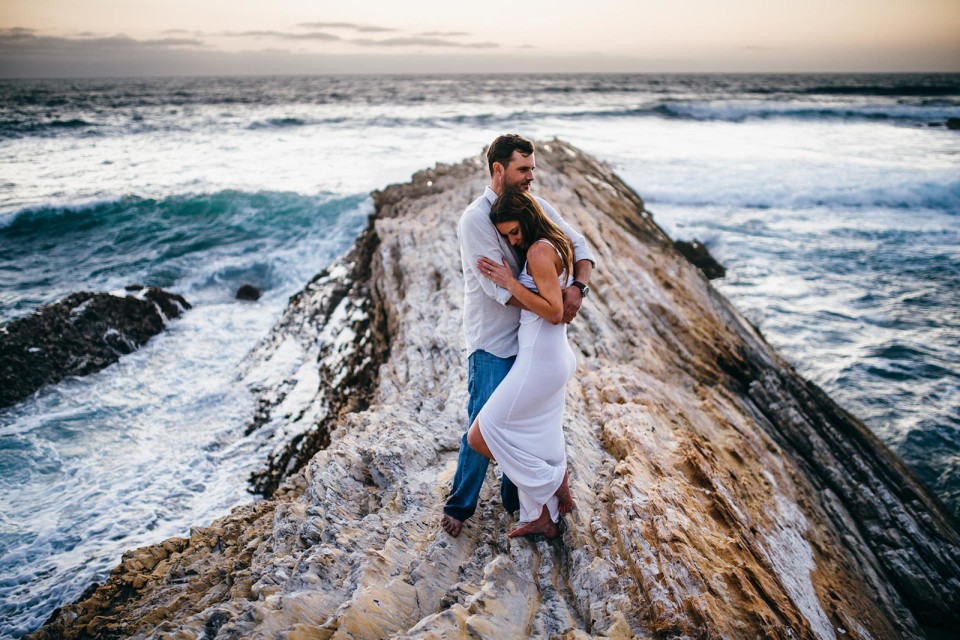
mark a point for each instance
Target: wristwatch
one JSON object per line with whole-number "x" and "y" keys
{"x": 584, "y": 289}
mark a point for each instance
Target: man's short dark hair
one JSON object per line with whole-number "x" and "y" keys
{"x": 501, "y": 149}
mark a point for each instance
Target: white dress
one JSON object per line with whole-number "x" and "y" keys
{"x": 522, "y": 422}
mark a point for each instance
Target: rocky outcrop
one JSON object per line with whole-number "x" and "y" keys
{"x": 81, "y": 334}
{"x": 719, "y": 495}
{"x": 696, "y": 252}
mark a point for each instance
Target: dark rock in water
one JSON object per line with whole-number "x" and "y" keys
{"x": 248, "y": 292}
{"x": 81, "y": 334}
{"x": 697, "y": 253}
{"x": 953, "y": 123}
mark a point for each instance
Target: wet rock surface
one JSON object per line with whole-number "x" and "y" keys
{"x": 81, "y": 334}
{"x": 719, "y": 495}
{"x": 248, "y": 292}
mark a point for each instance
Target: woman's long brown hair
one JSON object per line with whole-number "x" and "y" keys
{"x": 519, "y": 205}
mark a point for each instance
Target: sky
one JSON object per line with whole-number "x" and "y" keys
{"x": 77, "y": 38}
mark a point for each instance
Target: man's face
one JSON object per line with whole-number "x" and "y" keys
{"x": 511, "y": 231}
{"x": 519, "y": 171}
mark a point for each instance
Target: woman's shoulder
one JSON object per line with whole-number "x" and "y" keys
{"x": 543, "y": 251}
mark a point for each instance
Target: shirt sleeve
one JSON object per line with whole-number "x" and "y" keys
{"x": 580, "y": 249}
{"x": 478, "y": 240}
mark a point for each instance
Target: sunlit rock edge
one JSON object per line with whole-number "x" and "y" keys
{"x": 719, "y": 495}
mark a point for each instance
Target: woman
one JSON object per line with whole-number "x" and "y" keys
{"x": 521, "y": 425}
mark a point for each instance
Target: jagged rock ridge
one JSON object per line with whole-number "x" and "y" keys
{"x": 719, "y": 495}
{"x": 327, "y": 347}
{"x": 79, "y": 335}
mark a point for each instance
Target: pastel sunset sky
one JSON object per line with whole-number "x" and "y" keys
{"x": 68, "y": 38}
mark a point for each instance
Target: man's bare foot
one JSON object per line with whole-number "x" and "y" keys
{"x": 451, "y": 525}
{"x": 564, "y": 496}
{"x": 542, "y": 525}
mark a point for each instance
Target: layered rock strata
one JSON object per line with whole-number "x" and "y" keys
{"x": 719, "y": 495}
{"x": 79, "y": 335}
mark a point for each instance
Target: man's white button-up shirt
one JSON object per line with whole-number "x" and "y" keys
{"x": 489, "y": 323}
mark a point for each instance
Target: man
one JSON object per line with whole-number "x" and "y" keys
{"x": 491, "y": 316}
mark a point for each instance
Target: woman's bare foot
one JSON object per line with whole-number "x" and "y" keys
{"x": 451, "y": 525}
{"x": 542, "y": 525}
{"x": 564, "y": 496}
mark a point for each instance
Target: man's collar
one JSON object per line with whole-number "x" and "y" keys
{"x": 490, "y": 194}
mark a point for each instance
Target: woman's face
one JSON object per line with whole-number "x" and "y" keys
{"x": 511, "y": 231}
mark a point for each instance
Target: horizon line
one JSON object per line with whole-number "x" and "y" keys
{"x": 480, "y": 73}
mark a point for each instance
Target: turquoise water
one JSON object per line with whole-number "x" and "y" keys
{"x": 206, "y": 245}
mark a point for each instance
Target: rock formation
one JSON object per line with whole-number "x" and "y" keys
{"x": 696, "y": 252}
{"x": 248, "y": 292}
{"x": 328, "y": 346}
{"x": 81, "y": 334}
{"x": 719, "y": 495}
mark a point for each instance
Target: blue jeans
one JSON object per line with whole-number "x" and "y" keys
{"x": 486, "y": 371}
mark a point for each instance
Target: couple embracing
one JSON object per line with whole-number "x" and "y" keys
{"x": 525, "y": 276}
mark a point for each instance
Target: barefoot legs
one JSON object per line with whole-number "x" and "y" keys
{"x": 564, "y": 496}
{"x": 451, "y": 525}
{"x": 542, "y": 525}
{"x": 476, "y": 441}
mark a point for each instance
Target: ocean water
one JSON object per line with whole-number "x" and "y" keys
{"x": 833, "y": 202}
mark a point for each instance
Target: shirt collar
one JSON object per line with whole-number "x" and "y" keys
{"x": 490, "y": 195}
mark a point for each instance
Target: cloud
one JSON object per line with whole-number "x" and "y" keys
{"x": 167, "y": 42}
{"x": 186, "y": 32}
{"x": 284, "y": 35}
{"x": 19, "y": 39}
{"x": 345, "y": 25}
{"x": 30, "y": 53}
{"x": 17, "y": 33}
{"x": 443, "y": 34}
{"x": 423, "y": 42}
